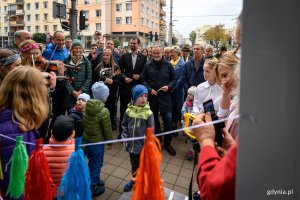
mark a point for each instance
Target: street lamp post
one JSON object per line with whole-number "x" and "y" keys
{"x": 170, "y": 24}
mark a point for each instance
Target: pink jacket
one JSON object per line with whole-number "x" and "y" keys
{"x": 58, "y": 158}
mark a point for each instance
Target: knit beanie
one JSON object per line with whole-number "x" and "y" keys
{"x": 137, "y": 91}
{"x": 84, "y": 96}
{"x": 76, "y": 42}
{"x": 100, "y": 91}
{"x": 192, "y": 90}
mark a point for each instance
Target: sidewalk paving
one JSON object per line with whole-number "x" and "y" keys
{"x": 176, "y": 171}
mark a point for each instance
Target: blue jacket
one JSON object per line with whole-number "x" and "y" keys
{"x": 11, "y": 129}
{"x": 60, "y": 54}
{"x": 192, "y": 76}
{"x": 78, "y": 123}
{"x": 135, "y": 122}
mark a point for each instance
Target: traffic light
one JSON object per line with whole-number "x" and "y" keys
{"x": 150, "y": 36}
{"x": 65, "y": 25}
{"x": 156, "y": 36}
{"x": 82, "y": 20}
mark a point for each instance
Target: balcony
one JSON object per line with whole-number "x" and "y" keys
{"x": 17, "y": 23}
{"x": 162, "y": 22}
{"x": 11, "y": 34}
{"x": 18, "y": 2}
{"x": 163, "y": 2}
{"x": 162, "y": 33}
{"x": 162, "y": 12}
{"x": 15, "y": 12}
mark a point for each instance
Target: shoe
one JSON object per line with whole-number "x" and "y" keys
{"x": 101, "y": 183}
{"x": 170, "y": 149}
{"x": 189, "y": 155}
{"x": 98, "y": 190}
{"x": 128, "y": 187}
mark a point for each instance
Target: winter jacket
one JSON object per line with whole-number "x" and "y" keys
{"x": 135, "y": 122}
{"x": 178, "y": 92}
{"x": 191, "y": 76}
{"x": 59, "y": 54}
{"x": 156, "y": 75}
{"x": 78, "y": 123}
{"x": 96, "y": 122}
{"x": 57, "y": 157}
{"x": 11, "y": 129}
{"x": 82, "y": 80}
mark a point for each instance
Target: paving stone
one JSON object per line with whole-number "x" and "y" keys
{"x": 174, "y": 169}
{"x": 108, "y": 168}
{"x": 115, "y": 196}
{"x": 181, "y": 190}
{"x": 126, "y": 165}
{"x": 112, "y": 182}
{"x": 182, "y": 182}
{"x": 120, "y": 173}
{"x": 187, "y": 173}
{"x": 169, "y": 178}
{"x": 107, "y": 157}
{"x": 188, "y": 164}
{"x": 116, "y": 161}
{"x": 176, "y": 161}
{"x": 105, "y": 195}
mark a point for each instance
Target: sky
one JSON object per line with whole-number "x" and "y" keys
{"x": 190, "y": 14}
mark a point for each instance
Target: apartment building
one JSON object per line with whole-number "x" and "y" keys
{"x": 115, "y": 19}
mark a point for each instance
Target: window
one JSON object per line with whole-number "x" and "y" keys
{"x": 46, "y": 16}
{"x": 98, "y": 13}
{"x": 152, "y": 25}
{"x": 118, "y": 20}
{"x": 86, "y": 2}
{"x": 128, "y": 6}
{"x": 54, "y": 27}
{"x": 12, "y": 7}
{"x": 28, "y": 6}
{"x": 37, "y": 29}
{"x": 37, "y": 17}
{"x": 98, "y": 1}
{"x": 5, "y": 19}
{"x": 152, "y": 13}
{"x": 46, "y": 27}
{"x": 128, "y": 20}
{"x": 142, "y": 21}
{"x": 37, "y": 5}
{"x": 29, "y": 28}
{"x": 87, "y": 14}
{"x": 28, "y": 18}
{"x": 147, "y": 23}
{"x": 147, "y": 11}
{"x": 5, "y": 29}
{"x": 98, "y": 26}
{"x": 45, "y": 4}
{"x": 142, "y": 8}
{"x": 5, "y": 8}
{"x": 118, "y": 7}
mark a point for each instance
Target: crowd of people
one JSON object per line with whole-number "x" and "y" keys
{"x": 59, "y": 94}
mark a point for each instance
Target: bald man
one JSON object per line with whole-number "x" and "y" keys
{"x": 21, "y": 36}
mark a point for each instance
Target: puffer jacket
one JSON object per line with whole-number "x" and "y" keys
{"x": 11, "y": 129}
{"x": 57, "y": 157}
{"x": 96, "y": 122}
{"x": 135, "y": 122}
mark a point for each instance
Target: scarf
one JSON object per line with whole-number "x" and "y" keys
{"x": 76, "y": 59}
{"x": 174, "y": 63}
{"x": 189, "y": 103}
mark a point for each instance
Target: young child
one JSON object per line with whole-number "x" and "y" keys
{"x": 57, "y": 156}
{"x": 137, "y": 118}
{"x": 209, "y": 89}
{"x": 187, "y": 108}
{"x": 77, "y": 113}
{"x": 97, "y": 128}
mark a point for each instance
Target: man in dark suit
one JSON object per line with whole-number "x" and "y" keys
{"x": 131, "y": 65}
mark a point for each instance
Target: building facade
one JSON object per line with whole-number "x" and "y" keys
{"x": 115, "y": 19}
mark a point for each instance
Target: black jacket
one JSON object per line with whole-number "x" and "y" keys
{"x": 155, "y": 76}
{"x": 127, "y": 69}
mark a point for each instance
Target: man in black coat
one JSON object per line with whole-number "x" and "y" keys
{"x": 131, "y": 66}
{"x": 159, "y": 77}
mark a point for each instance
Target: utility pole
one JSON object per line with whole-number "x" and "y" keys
{"x": 73, "y": 20}
{"x": 171, "y": 24}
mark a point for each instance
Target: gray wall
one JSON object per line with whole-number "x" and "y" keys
{"x": 269, "y": 135}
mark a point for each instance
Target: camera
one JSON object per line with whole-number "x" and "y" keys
{"x": 208, "y": 106}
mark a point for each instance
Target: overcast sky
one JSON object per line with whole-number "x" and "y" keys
{"x": 191, "y": 14}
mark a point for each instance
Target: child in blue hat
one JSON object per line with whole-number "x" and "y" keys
{"x": 137, "y": 118}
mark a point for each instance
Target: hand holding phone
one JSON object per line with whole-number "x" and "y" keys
{"x": 208, "y": 106}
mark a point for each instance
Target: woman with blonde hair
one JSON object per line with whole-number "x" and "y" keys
{"x": 29, "y": 50}
{"x": 23, "y": 108}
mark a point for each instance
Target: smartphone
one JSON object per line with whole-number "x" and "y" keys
{"x": 208, "y": 106}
